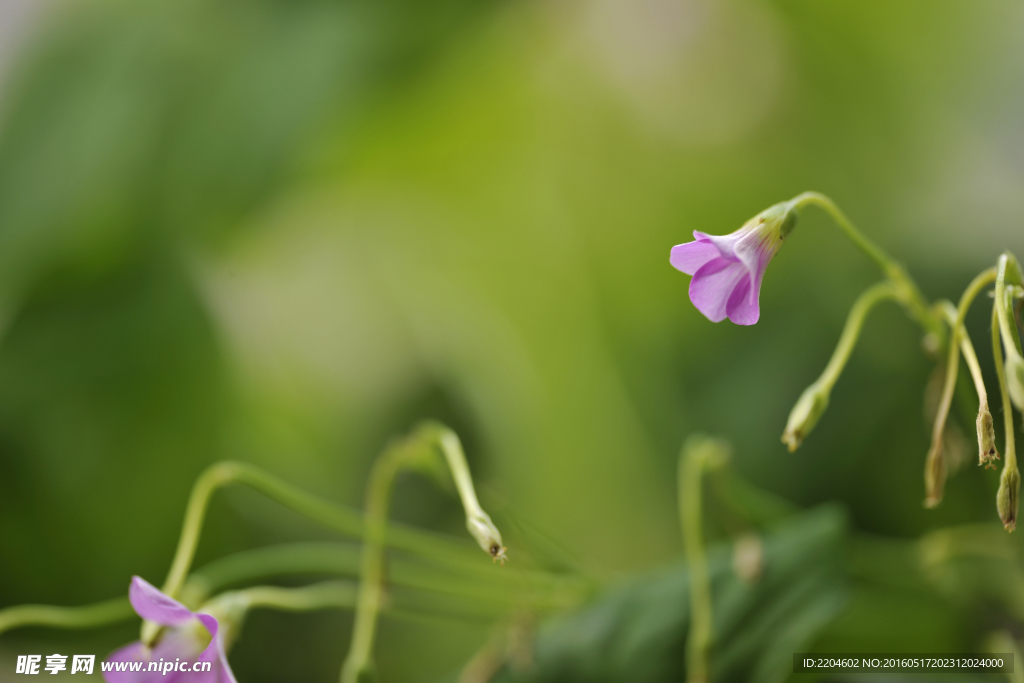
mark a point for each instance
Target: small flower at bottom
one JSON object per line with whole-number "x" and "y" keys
{"x": 727, "y": 269}
{"x": 189, "y": 638}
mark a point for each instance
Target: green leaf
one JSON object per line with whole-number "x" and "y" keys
{"x": 636, "y": 631}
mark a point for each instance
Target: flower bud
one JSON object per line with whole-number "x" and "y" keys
{"x": 1008, "y": 497}
{"x": 1015, "y": 378}
{"x": 805, "y": 414}
{"x": 487, "y": 535}
{"x": 934, "y": 475}
{"x": 987, "y": 453}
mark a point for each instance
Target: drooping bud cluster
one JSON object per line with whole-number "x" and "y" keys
{"x": 727, "y": 272}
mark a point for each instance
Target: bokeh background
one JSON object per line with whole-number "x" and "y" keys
{"x": 283, "y": 231}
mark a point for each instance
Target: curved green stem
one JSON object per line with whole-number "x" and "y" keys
{"x": 851, "y": 332}
{"x": 967, "y": 349}
{"x": 987, "y": 453}
{"x": 538, "y": 589}
{"x": 432, "y": 589}
{"x": 478, "y": 522}
{"x": 86, "y": 616}
{"x": 872, "y": 250}
{"x": 399, "y": 455}
{"x": 289, "y": 559}
{"x": 973, "y": 366}
{"x": 935, "y": 469}
{"x": 333, "y": 516}
{"x": 378, "y": 500}
{"x": 1009, "y": 480}
{"x": 908, "y": 292}
{"x": 699, "y": 454}
{"x": 324, "y": 595}
{"x": 1008, "y": 270}
{"x": 814, "y": 400}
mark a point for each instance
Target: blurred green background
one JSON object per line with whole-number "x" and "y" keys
{"x": 283, "y": 231}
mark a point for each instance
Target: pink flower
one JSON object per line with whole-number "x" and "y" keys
{"x": 727, "y": 269}
{"x": 189, "y": 638}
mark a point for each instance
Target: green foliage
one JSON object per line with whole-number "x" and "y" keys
{"x": 636, "y": 632}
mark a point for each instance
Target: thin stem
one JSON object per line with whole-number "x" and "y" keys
{"x": 343, "y": 559}
{"x": 1004, "y": 395}
{"x": 908, "y": 292}
{"x": 935, "y": 465}
{"x": 478, "y": 522}
{"x": 987, "y": 452}
{"x": 398, "y": 455}
{"x": 378, "y": 500}
{"x": 86, "y": 616}
{"x": 333, "y": 516}
{"x": 231, "y": 608}
{"x": 971, "y": 358}
{"x": 1009, "y": 480}
{"x": 209, "y": 481}
{"x": 699, "y": 453}
{"x": 328, "y": 594}
{"x": 1010, "y": 339}
{"x": 289, "y": 559}
{"x": 432, "y": 589}
{"x": 814, "y": 400}
{"x": 345, "y": 595}
{"x": 860, "y": 240}
{"x": 851, "y": 332}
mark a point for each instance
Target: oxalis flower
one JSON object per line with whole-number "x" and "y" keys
{"x": 189, "y": 638}
{"x": 727, "y": 269}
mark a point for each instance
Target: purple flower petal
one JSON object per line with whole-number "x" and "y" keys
{"x": 729, "y": 284}
{"x": 713, "y": 285}
{"x": 220, "y": 671}
{"x": 182, "y": 642}
{"x": 690, "y": 256}
{"x": 755, "y": 250}
{"x": 149, "y": 603}
{"x": 726, "y": 244}
{"x": 743, "y": 308}
{"x": 132, "y": 652}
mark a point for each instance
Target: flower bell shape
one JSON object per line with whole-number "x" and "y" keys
{"x": 191, "y": 649}
{"x": 727, "y": 269}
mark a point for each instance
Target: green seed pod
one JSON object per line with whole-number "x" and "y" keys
{"x": 1008, "y": 497}
{"x": 987, "y": 453}
{"x": 805, "y": 414}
